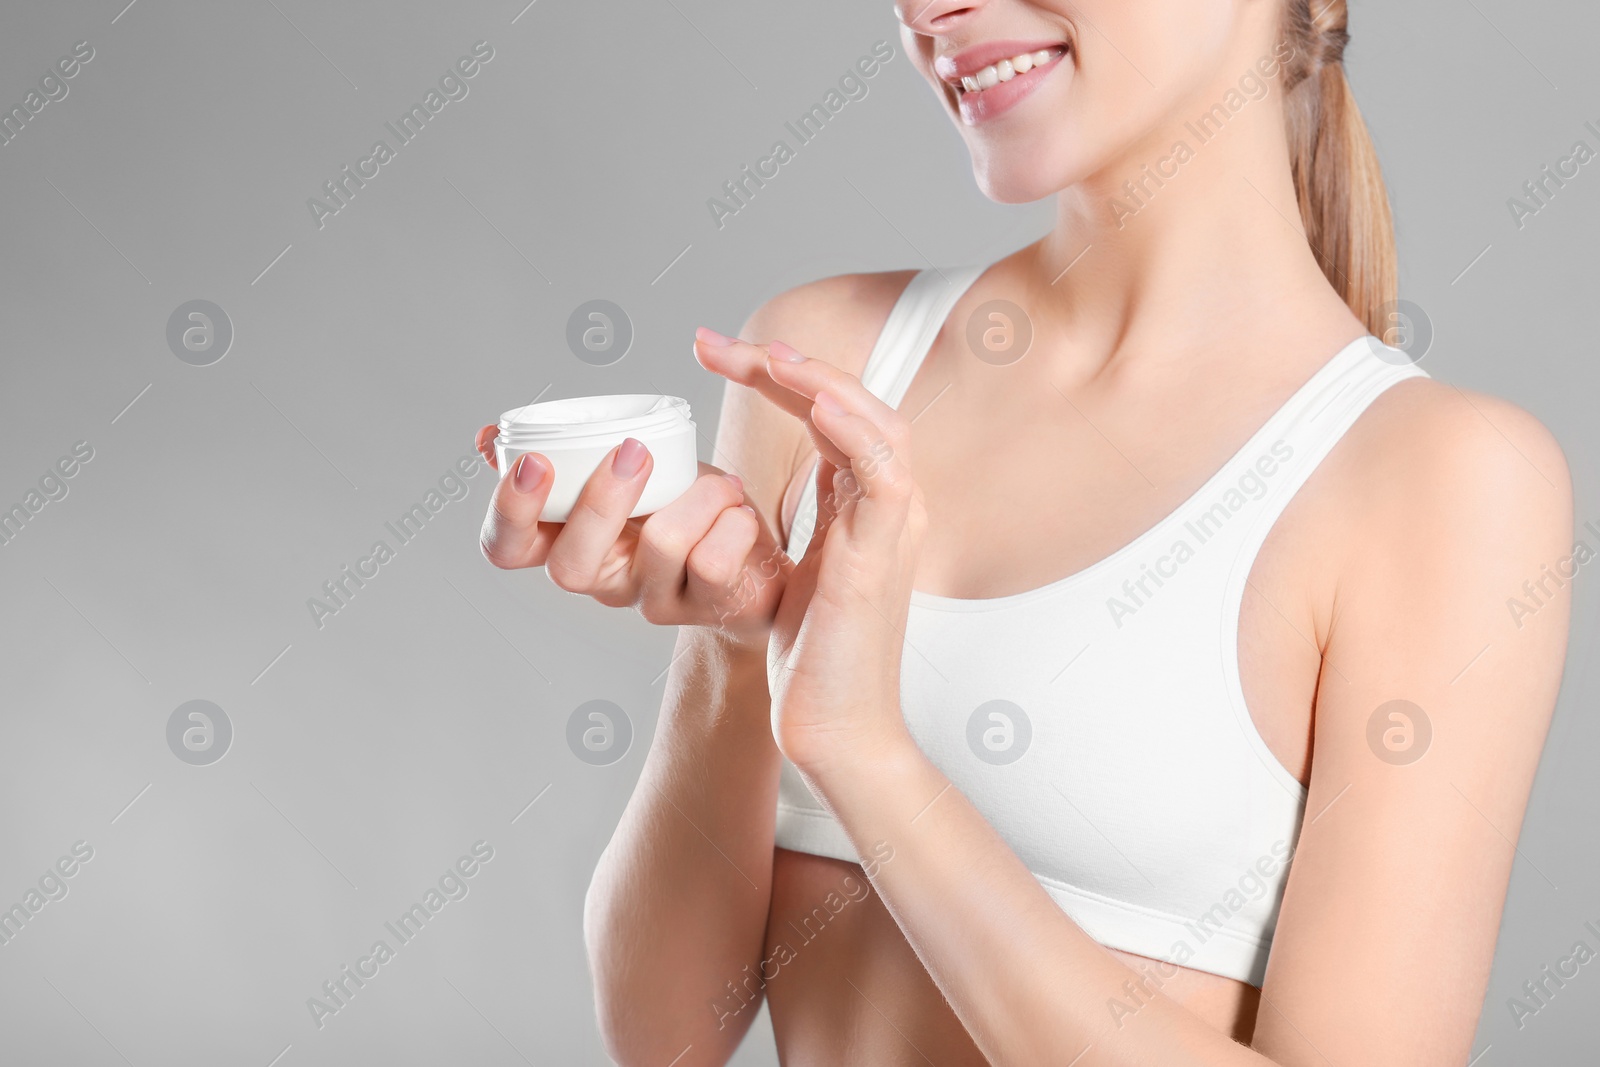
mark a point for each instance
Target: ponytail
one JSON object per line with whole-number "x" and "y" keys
{"x": 1338, "y": 182}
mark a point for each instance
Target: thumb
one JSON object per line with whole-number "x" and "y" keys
{"x": 512, "y": 534}
{"x": 829, "y": 503}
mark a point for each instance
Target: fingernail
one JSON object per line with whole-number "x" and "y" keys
{"x": 530, "y": 473}
{"x": 736, "y": 482}
{"x": 829, "y": 404}
{"x": 630, "y": 457}
{"x": 712, "y": 337}
{"x": 780, "y": 351}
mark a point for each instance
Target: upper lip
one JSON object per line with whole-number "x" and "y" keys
{"x": 969, "y": 61}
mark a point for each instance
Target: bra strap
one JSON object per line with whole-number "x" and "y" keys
{"x": 913, "y": 325}
{"x": 909, "y": 332}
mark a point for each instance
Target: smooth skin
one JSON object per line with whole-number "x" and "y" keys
{"x": 1156, "y": 354}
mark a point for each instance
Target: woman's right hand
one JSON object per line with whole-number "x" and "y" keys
{"x": 706, "y": 559}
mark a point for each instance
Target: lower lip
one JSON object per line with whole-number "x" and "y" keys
{"x": 992, "y": 103}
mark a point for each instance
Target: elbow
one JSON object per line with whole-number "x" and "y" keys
{"x": 603, "y": 973}
{"x": 644, "y": 1018}
{"x": 650, "y": 998}
{"x": 629, "y": 1033}
{"x": 634, "y": 1033}
{"x": 625, "y": 1041}
{"x": 623, "y": 1034}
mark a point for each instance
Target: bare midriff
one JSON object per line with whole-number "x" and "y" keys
{"x": 846, "y": 987}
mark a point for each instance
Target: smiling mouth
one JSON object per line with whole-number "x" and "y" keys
{"x": 983, "y": 94}
{"x": 1006, "y": 69}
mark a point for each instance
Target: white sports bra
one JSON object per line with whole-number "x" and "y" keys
{"x": 1098, "y": 722}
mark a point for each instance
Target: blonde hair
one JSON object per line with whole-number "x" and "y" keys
{"x": 1338, "y": 182}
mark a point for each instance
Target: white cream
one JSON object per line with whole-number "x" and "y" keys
{"x": 1003, "y": 71}
{"x": 576, "y": 434}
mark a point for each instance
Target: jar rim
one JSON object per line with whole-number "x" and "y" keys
{"x": 587, "y": 416}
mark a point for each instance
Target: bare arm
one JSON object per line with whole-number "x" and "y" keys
{"x": 678, "y": 904}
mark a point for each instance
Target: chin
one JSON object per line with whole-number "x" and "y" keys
{"x": 1010, "y": 186}
{"x": 1017, "y": 178}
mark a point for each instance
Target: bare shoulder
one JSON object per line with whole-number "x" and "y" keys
{"x": 1430, "y": 452}
{"x": 1442, "y": 503}
{"x": 1443, "y": 529}
{"x": 836, "y": 319}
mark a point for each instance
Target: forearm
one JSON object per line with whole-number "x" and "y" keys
{"x": 678, "y": 903}
{"x": 1027, "y": 982}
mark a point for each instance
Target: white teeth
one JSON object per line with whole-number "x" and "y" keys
{"x": 1006, "y": 69}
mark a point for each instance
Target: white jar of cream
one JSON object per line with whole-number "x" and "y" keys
{"x": 576, "y": 434}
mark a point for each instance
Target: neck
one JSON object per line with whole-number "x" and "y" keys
{"x": 1186, "y": 242}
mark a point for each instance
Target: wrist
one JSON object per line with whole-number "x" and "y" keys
{"x": 737, "y": 648}
{"x": 717, "y": 691}
{"x": 845, "y": 756}
{"x": 735, "y": 670}
{"x": 870, "y": 787}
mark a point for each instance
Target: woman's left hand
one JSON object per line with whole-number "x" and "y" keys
{"x": 837, "y": 639}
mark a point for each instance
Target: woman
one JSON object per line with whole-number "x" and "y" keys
{"x": 1118, "y": 657}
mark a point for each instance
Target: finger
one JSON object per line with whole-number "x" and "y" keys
{"x": 829, "y": 503}
{"x": 485, "y": 445}
{"x": 669, "y": 536}
{"x": 719, "y": 565}
{"x": 868, "y": 454}
{"x": 512, "y": 534}
{"x": 878, "y": 481}
{"x": 745, "y": 363}
{"x": 870, "y": 448}
{"x": 792, "y": 379}
{"x": 807, "y": 377}
{"x": 586, "y": 540}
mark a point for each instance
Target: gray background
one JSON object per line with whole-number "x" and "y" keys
{"x": 371, "y": 753}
